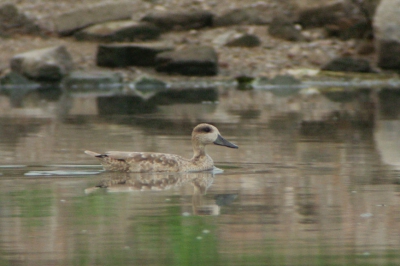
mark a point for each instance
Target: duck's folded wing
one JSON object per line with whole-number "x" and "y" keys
{"x": 122, "y": 155}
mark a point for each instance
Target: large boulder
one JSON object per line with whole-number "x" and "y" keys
{"x": 344, "y": 19}
{"x": 191, "y": 61}
{"x": 69, "y": 22}
{"x": 128, "y": 54}
{"x": 14, "y": 22}
{"x": 48, "y": 64}
{"x": 119, "y": 31}
{"x": 180, "y": 20}
{"x": 387, "y": 34}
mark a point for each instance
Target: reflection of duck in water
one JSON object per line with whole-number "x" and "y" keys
{"x": 202, "y": 135}
{"x": 141, "y": 182}
{"x": 120, "y": 182}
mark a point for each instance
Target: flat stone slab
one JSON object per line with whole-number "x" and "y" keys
{"x": 119, "y": 31}
{"x": 69, "y": 22}
{"x": 122, "y": 55}
{"x": 191, "y": 61}
{"x": 48, "y": 64}
{"x": 180, "y": 20}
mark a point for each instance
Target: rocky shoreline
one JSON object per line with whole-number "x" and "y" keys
{"x": 241, "y": 39}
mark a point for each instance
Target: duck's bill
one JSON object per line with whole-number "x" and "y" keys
{"x": 223, "y": 142}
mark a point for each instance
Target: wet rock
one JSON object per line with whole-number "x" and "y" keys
{"x": 86, "y": 80}
{"x": 387, "y": 34}
{"x": 191, "y": 61}
{"x": 48, "y": 64}
{"x": 244, "y": 40}
{"x": 69, "y": 22}
{"x": 12, "y": 22}
{"x": 255, "y": 15}
{"x": 244, "y": 82}
{"x": 122, "y": 55}
{"x": 283, "y": 28}
{"x": 348, "y": 64}
{"x": 119, "y": 31}
{"x": 148, "y": 83}
{"x": 284, "y": 80}
{"x": 180, "y": 20}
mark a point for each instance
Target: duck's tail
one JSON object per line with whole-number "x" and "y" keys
{"x": 92, "y": 153}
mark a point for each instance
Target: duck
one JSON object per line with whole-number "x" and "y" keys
{"x": 139, "y": 162}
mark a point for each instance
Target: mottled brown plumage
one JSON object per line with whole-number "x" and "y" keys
{"x": 202, "y": 135}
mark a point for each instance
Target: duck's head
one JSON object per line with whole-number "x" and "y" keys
{"x": 204, "y": 134}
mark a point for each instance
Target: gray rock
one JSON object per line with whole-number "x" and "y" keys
{"x": 348, "y": 64}
{"x": 244, "y": 40}
{"x": 322, "y": 14}
{"x": 149, "y": 84}
{"x": 69, "y": 22}
{"x": 180, "y": 20}
{"x": 122, "y": 55}
{"x": 119, "y": 31}
{"x": 344, "y": 19}
{"x": 87, "y": 80}
{"x": 14, "y": 22}
{"x": 191, "y": 61}
{"x": 283, "y": 28}
{"x": 387, "y": 34}
{"x": 243, "y": 16}
{"x": 48, "y": 64}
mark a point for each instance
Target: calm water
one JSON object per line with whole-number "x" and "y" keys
{"x": 315, "y": 181}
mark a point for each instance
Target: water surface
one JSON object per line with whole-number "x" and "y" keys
{"x": 314, "y": 181}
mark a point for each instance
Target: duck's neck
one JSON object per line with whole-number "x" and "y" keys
{"x": 201, "y": 160}
{"x": 199, "y": 150}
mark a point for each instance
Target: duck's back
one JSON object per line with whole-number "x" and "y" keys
{"x": 140, "y": 161}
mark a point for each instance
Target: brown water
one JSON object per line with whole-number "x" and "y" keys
{"x": 315, "y": 181}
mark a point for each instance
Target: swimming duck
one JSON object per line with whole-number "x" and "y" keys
{"x": 202, "y": 135}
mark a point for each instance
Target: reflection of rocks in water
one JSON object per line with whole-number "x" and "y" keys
{"x": 27, "y": 97}
{"x": 389, "y": 100}
{"x": 123, "y": 105}
{"x": 11, "y": 129}
{"x": 339, "y": 107}
{"x": 225, "y": 199}
{"x": 386, "y": 136}
{"x": 189, "y": 95}
{"x": 307, "y": 208}
{"x": 142, "y": 103}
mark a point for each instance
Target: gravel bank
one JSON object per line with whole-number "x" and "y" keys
{"x": 273, "y": 57}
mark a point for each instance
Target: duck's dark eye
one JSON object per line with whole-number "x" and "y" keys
{"x": 206, "y": 129}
